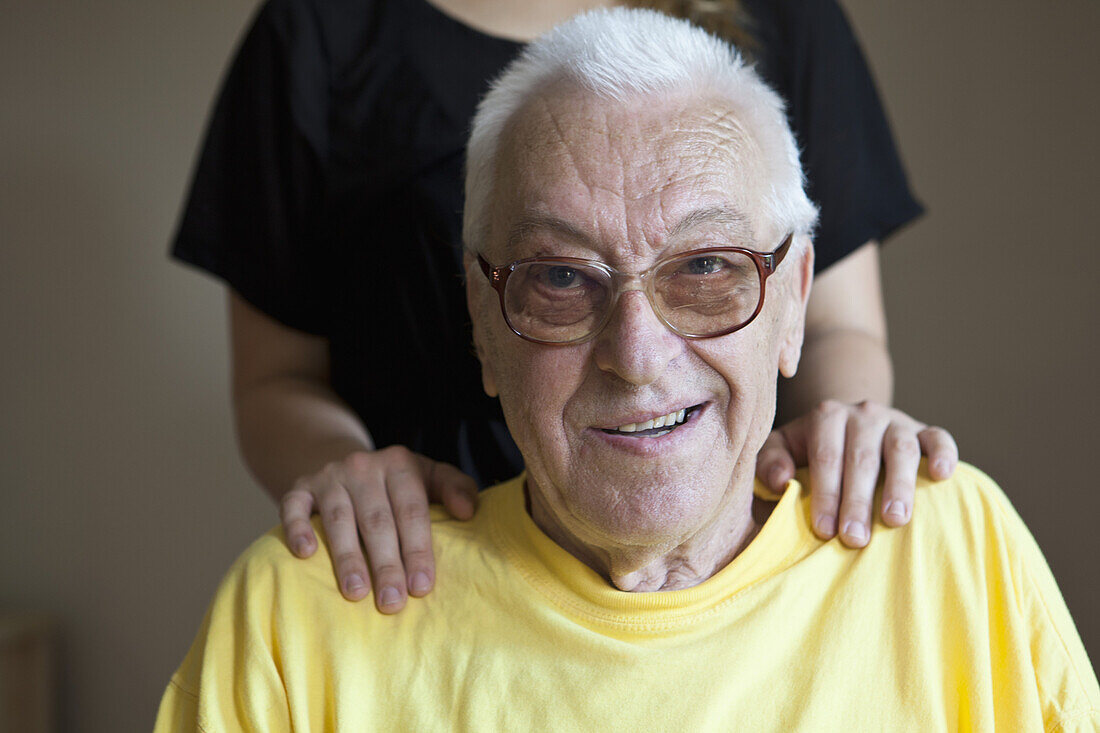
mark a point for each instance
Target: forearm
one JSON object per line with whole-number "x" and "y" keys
{"x": 307, "y": 448}
{"x": 843, "y": 365}
{"x": 845, "y": 355}
{"x": 849, "y": 447}
{"x": 289, "y": 427}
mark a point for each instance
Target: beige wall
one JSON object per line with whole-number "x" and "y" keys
{"x": 991, "y": 297}
{"x": 123, "y": 494}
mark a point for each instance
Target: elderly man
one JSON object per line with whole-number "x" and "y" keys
{"x": 638, "y": 266}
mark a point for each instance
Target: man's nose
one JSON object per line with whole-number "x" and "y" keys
{"x": 635, "y": 345}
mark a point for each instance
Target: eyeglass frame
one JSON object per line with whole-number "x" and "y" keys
{"x": 766, "y": 265}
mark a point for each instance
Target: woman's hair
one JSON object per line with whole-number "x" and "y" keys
{"x": 726, "y": 19}
{"x": 624, "y": 54}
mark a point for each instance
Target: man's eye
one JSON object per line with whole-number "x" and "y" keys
{"x": 560, "y": 276}
{"x": 707, "y": 265}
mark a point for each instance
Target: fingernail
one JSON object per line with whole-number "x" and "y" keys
{"x": 301, "y": 547}
{"x": 775, "y": 477}
{"x": 354, "y": 583}
{"x": 855, "y": 531}
{"x": 940, "y": 467}
{"x": 895, "y": 510}
{"x": 420, "y": 583}
{"x": 826, "y": 526}
{"x": 389, "y": 596}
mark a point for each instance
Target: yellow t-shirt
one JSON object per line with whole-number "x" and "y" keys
{"x": 951, "y": 623}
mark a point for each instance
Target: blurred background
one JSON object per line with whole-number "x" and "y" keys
{"x": 124, "y": 496}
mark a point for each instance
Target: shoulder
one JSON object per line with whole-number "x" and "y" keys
{"x": 807, "y": 14}
{"x": 971, "y": 528}
{"x": 968, "y": 481}
{"x": 286, "y": 17}
{"x": 818, "y": 42}
{"x": 307, "y": 12}
{"x": 978, "y": 536}
{"x": 970, "y": 494}
{"x": 329, "y": 28}
{"x": 968, "y": 511}
{"x": 808, "y": 49}
{"x": 268, "y": 568}
{"x": 798, "y": 20}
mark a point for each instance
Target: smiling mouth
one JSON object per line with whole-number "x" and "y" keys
{"x": 655, "y": 427}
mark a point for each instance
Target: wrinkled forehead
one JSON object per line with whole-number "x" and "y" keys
{"x": 628, "y": 172}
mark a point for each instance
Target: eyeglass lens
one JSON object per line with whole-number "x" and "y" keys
{"x": 699, "y": 294}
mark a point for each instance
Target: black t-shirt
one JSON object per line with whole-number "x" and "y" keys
{"x": 329, "y": 192}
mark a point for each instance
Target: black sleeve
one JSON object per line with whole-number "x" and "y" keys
{"x": 853, "y": 170}
{"x": 252, "y": 212}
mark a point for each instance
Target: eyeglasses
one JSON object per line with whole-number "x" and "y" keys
{"x": 704, "y": 293}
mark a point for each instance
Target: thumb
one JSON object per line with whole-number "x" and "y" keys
{"x": 774, "y": 463}
{"x": 456, "y": 491}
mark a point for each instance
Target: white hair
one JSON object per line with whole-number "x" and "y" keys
{"x": 621, "y": 54}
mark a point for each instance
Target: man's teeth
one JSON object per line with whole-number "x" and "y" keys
{"x": 671, "y": 419}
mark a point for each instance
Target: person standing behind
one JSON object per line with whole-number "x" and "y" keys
{"x": 328, "y": 198}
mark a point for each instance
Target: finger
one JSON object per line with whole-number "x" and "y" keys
{"x": 825, "y": 451}
{"x": 338, "y": 517}
{"x": 454, "y": 489}
{"x": 774, "y": 463}
{"x": 796, "y": 434}
{"x": 862, "y": 460}
{"x": 409, "y": 500}
{"x": 379, "y": 530}
{"x": 901, "y": 454}
{"x": 294, "y": 512}
{"x": 942, "y": 452}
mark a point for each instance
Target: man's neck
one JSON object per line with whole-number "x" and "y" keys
{"x": 667, "y": 565}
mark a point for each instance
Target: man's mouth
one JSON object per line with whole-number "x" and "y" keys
{"x": 657, "y": 426}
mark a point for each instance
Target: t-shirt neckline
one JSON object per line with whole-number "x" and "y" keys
{"x": 580, "y": 591}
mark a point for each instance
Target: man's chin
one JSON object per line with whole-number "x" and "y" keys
{"x": 650, "y": 510}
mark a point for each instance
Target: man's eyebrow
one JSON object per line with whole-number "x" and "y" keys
{"x": 723, "y": 215}
{"x": 526, "y": 226}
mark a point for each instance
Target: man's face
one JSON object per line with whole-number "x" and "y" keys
{"x": 629, "y": 185}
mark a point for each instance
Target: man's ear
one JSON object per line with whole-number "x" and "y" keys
{"x": 488, "y": 379}
{"x": 474, "y": 307}
{"x": 801, "y": 279}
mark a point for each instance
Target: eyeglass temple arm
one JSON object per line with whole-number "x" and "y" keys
{"x": 776, "y": 256}
{"x": 490, "y": 272}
